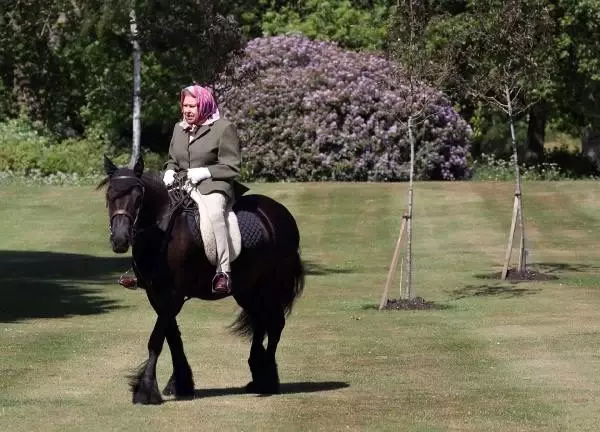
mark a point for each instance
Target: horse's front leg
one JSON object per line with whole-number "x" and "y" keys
{"x": 181, "y": 383}
{"x": 143, "y": 384}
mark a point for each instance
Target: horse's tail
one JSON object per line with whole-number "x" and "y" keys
{"x": 295, "y": 283}
{"x": 290, "y": 285}
{"x": 242, "y": 326}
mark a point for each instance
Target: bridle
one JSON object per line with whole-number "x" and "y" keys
{"x": 118, "y": 212}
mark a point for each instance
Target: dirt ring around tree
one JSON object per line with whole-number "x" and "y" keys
{"x": 417, "y": 303}
{"x": 514, "y": 275}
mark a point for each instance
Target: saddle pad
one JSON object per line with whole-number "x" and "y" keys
{"x": 250, "y": 229}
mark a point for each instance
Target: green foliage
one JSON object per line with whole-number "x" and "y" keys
{"x": 341, "y": 21}
{"x": 22, "y": 149}
{"x": 490, "y": 133}
{"x": 20, "y": 146}
{"x": 578, "y": 79}
{"x": 69, "y": 64}
{"x": 29, "y": 152}
{"x": 501, "y": 46}
{"x": 490, "y": 168}
{"x": 561, "y": 164}
{"x": 570, "y": 45}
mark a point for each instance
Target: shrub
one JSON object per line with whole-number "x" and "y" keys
{"x": 490, "y": 168}
{"x": 317, "y": 112}
{"x": 20, "y": 146}
{"x": 27, "y": 151}
{"x": 573, "y": 163}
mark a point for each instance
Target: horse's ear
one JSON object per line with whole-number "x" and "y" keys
{"x": 109, "y": 166}
{"x": 138, "y": 168}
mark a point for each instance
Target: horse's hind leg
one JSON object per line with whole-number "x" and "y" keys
{"x": 257, "y": 357}
{"x": 143, "y": 384}
{"x": 265, "y": 378}
{"x": 181, "y": 383}
{"x": 276, "y": 322}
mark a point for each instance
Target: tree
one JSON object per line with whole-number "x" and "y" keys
{"x": 352, "y": 24}
{"x": 577, "y": 95}
{"x": 38, "y": 68}
{"x": 180, "y": 43}
{"x": 67, "y": 64}
{"x": 506, "y": 49}
{"x": 137, "y": 103}
{"x": 409, "y": 20}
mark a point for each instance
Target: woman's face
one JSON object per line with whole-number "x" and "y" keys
{"x": 190, "y": 109}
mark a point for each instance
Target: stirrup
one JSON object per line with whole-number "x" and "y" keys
{"x": 128, "y": 281}
{"x": 227, "y": 277}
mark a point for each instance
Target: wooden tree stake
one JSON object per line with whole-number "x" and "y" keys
{"x": 394, "y": 264}
{"x": 511, "y": 235}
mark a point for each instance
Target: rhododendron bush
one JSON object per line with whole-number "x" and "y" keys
{"x": 317, "y": 112}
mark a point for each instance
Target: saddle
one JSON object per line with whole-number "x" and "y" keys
{"x": 246, "y": 229}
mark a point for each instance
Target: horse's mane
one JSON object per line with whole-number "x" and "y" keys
{"x": 150, "y": 179}
{"x": 153, "y": 181}
{"x": 154, "y": 187}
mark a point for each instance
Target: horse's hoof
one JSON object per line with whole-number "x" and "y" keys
{"x": 184, "y": 392}
{"x": 151, "y": 398}
{"x": 169, "y": 390}
{"x": 264, "y": 389}
{"x": 251, "y": 387}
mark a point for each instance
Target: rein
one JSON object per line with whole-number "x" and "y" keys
{"x": 179, "y": 199}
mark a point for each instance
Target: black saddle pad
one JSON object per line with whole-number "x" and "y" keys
{"x": 252, "y": 229}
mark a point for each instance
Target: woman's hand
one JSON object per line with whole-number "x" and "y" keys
{"x": 196, "y": 175}
{"x": 169, "y": 177}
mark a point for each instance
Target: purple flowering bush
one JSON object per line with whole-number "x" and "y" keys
{"x": 317, "y": 112}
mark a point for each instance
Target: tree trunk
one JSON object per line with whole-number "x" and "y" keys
{"x": 590, "y": 144}
{"x": 137, "y": 102}
{"x": 536, "y": 134}
{"x": 27, "y": 104}
{"x": 409, "y": 292}
{"x": 518, "y": 191}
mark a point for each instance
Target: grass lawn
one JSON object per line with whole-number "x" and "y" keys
{"x": 494, "y": 357}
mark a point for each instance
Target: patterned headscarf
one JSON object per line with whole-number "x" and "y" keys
{"x": 208, "y": 111}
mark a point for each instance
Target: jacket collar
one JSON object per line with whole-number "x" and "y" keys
{"x": 197, "y": 131}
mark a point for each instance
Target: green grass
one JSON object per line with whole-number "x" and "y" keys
{"x": 495, "y": 357}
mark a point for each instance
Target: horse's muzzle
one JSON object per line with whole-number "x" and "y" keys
{"x": 119, "y": 245}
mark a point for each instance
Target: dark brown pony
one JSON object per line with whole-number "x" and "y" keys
{"x": 172, "y": 268}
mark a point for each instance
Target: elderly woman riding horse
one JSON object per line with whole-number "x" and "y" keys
{"x": 170, "y": 259}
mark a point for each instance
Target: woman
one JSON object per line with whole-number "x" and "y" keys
{"x": 208, "y": 148}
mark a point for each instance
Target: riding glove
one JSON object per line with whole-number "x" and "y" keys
{"x": 196, "y": 175}
{"x": 169, "y": 177}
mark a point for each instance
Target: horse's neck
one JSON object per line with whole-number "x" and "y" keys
{"x": 155, "y": 205}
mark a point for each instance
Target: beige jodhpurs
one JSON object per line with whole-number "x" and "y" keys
{"x": 216, "y": 204}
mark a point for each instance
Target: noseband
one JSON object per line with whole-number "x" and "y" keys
{"x": 133, "y": 220}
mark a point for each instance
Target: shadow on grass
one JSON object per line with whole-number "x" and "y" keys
{"x": 554, "y": 267}
{"x": 286, "y": 388}
{"x": 488, "y": 290}
{"x": 47, "y": 284}
{"x": 315, "y": 269}
{"x": 545, "y": 271}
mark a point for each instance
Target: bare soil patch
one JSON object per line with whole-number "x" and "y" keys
{"x": 515, "y": 275}
{"x": 417, "y": 303}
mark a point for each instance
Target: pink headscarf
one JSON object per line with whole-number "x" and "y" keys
{"x": 208, "y": 111}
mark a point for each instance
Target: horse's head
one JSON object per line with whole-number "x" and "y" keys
{"x": 124, "y": 197}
